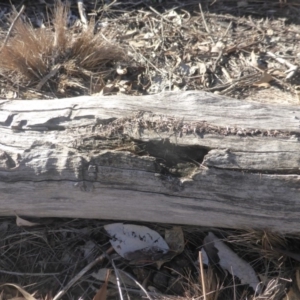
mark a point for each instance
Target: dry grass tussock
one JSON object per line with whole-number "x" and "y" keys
{"x": 58, "y": 60}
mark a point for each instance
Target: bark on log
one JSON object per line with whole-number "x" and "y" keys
{"x": 188, "y": 158}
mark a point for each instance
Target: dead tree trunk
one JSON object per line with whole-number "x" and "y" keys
{"x": 187, "y": 158}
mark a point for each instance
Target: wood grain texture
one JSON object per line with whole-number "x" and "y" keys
{"x": 187, "y": 158}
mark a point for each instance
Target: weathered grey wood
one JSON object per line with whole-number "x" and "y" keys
{"x": 189, "y": 158}
{"x": 190, "y": 105}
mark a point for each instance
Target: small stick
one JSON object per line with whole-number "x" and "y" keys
{"x": 82, "y": 13}
{"x": 281, "y": 60}
{"x": 52, "y": 73}
{"x": 228, "y": 27}
{"x": 148, "y": 61}
{"x": 138, "y": 284}
{"x": 118, "y": 280}
{"x": 217, "y": 60}
{"x": 202, "y": 275}
{"x": 12, "y": 26}
{"x": 203, "y": 18}
{"x": 81, "y": 273}
{"x": 27, "y": 274}
{"x": 234, "y": 291}
{"x": 162, "y": 16}
{"x": 292, "y": 68}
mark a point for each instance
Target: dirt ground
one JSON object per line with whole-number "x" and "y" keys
{"x": 245, "y": 49}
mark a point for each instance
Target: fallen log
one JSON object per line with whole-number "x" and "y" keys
{"x": 188, "y": 158}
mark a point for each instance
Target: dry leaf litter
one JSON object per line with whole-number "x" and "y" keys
{"x": 243, "y": 49}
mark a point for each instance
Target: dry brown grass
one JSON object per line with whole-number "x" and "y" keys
{"x": 47, "y": 258}
{"x": 57, "y": 60}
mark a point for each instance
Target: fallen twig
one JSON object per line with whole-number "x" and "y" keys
{"x": 118, "y": 280}
{"x": 27, "y": 274}
{"x": 202, "y": 275}
{"x": 81, "y": 273}
{"x": 138, "y": 284}
{"x": 52, "y": 73}
{"x": 203, "y": 19}
{"x": 82, "y": 14}
{"x": 12, "y": 26}
{"x": 292, "y": 68}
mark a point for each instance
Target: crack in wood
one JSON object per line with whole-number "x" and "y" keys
{"x": 172, "y": 163}
{"x": 139, "y": 123}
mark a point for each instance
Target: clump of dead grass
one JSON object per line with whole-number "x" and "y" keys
{"x": 59, "y": 60}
